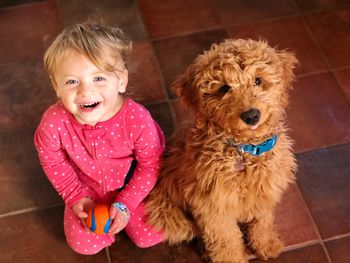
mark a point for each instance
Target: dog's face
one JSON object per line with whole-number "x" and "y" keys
{"x": 240, "y": 85}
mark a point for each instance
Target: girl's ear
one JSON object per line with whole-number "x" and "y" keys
{"x": 123, "y": 81}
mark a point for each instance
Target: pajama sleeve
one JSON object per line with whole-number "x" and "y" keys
{"x": 149, "y": 143}
{"x": 56, "y": 163}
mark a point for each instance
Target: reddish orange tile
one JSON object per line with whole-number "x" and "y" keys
{"x": 339, "y": 249}
{"x": 25, "y": 97}
{"x": 123, "y": 13}
{"x": 168, "y": 18}
{"x": 293, "y": 221}
{"x": 311, "y": 254}
{"x": 38, "y": 237}
{"x": 298, "y": 40}
{"x": 316, "y": 5}
{"x": 176, "y": 54}
{"x": 343, "y": 77}
{"x": 240, "y": 12}
{"x": 325, "y": 183}
{"x": 144, "y": 77}
{"x": 318, "y": 113}
{"x": 26, "y": 31}
{"x": 24, "y": 183}
{"x": 331, "y": 30}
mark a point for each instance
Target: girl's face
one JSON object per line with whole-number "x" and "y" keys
{"x": 92, "y": 95}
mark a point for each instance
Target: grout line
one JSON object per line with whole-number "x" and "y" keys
{"x": 28, "y": 210}
{"x": 300, "y": 245}
{"x": 337, "y": 237}
{"x": 322, "y": 147}
{"x": 321, "y": 242}
{"x": 108, "y": 254}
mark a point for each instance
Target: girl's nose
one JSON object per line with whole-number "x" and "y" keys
{"x": 84, "y": 88}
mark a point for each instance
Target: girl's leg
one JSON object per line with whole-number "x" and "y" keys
{"x": 140, "y": 232}
{"x": 80, "y": 239}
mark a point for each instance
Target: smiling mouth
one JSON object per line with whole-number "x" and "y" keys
{"x": 90, "y": 105}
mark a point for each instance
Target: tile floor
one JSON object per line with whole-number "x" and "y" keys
{"x": 314, "y": 217}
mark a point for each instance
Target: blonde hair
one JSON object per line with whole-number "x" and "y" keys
{"x": 91, "y": 39}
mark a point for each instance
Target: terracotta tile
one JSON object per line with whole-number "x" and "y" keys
{"x": 318, "y": 113}
{"x": 339, "y": 250}
{"x": 26, "y": 31}
{"x": 343, "y": 77}
{"x": 162, "y": 114}
{"x": 293, "y": 222}
{"x": 176, "y": 54}
{"x": 286, "y": 33}
{"x": 332, "y": 31}
{"x": 169, "y": 18}
{"x": 144, "y": 77}
{"x": 311, "y": 254}
{"x": 325, "y": 184}
{"x": 316, "y": 5}
{"x": 240, "y": 12}
{"x": 8, "y": 3}
{"x": 123, "y": 13}
{"x": 39, "y": 237}
{"x": 23, "y": 181}
{"x": 23, "y": 97}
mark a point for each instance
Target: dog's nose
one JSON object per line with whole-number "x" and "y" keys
{"x": 251, "y": 117}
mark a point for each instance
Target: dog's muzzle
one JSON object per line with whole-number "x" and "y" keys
{"x": 251, "y": 117}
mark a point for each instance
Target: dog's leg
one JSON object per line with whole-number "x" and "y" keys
{"x": 222, "y": 239}
{"x": 263, "y": 238}
{"x": 164, "y": 215}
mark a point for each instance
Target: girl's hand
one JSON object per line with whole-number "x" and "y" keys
{"x": 120, "y": 219}
{"x": 83, "y": 206}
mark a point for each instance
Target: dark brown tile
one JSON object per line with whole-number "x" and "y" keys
{"x": 318, "y": 113}
{"x": 123, "y": 13}
{"x": 293, "y": 222}
{"x": 332, "y": 31}
{"x": 286, "y": 33}
{"x": 343, "y": 77}
{"x": 25, "y": 93}
{"x": 26, "y": 31}
{"x": 316, "y": 5}
{"x": 162, "y": 114}
{"x": 39, "y": 237}
{"x": 169, "y": 18}
{"x": 339, "y": 250}
{"x": 239, "y": 12}
{"x": 23, "y": 181}
{"x": 311, "y": 254}
{"x": 176, "y": 54}
{"x": 325, "y": 184}
{"x": 144, "y": 77}
{"x": 123, "y": 250}
{"x": 10, "y": 3}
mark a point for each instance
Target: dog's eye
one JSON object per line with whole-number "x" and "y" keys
{"x": 224, "y": 89}
{"x": 257, "y": 81}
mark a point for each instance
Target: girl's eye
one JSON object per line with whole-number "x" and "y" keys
{"x": 71, "y": 82}
{"x": 257, "y": 81}
{"x": 99, "y": 79}
{"x": 224, "y": 89}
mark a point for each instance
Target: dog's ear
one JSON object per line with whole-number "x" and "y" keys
{"x": 184, "y": 86}
{"x": 289, "y": 62}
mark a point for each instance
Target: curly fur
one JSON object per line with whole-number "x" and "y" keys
{"x": 203, "y": 189}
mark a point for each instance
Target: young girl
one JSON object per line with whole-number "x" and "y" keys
{"x": 95, "y": 145}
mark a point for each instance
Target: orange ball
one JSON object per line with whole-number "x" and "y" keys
{"x": 98, "y": 220}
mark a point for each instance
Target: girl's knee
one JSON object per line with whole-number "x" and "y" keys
{"x": 84, "y": 248}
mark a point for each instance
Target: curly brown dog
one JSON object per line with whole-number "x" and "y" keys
{"x": 235, "y": 161}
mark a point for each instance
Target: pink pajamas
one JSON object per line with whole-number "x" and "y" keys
{"x": 83, "y": 160}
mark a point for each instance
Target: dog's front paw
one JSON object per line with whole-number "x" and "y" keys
{"x": 269, "y": 247}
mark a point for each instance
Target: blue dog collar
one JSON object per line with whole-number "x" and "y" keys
{"x": 257, "y": 150}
